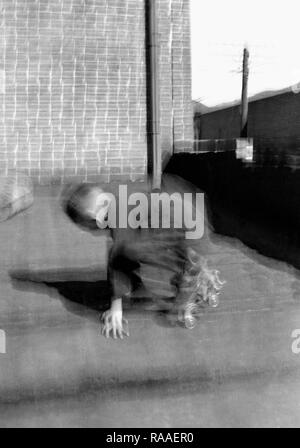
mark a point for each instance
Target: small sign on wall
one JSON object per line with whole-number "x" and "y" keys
{"x": 244, "y": 149}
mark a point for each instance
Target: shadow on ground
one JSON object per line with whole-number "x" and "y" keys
{"x": 93, "y": 295}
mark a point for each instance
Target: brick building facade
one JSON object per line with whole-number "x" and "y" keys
{"x": 73, "y": 86}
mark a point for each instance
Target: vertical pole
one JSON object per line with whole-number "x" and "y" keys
{"x": 244, "y": 102}
{"x": 154, "y": 93}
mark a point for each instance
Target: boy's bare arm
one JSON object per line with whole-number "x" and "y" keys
{"x": 113, "y": 320}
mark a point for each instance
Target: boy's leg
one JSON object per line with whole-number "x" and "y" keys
{"x": 160, "y": 269}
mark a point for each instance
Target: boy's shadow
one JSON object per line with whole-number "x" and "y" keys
{"x": 71, "y": 287}
{"x": 81, "y": 289}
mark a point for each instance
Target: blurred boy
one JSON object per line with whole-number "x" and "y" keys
{"x": 159, "y": 263}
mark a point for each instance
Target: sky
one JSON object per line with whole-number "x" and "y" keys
{"x": 221, "y": 28}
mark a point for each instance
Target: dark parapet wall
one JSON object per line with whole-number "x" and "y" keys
{"x": 260, "y": 205}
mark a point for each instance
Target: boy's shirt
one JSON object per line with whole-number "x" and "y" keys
{"x": 161, "y": 252}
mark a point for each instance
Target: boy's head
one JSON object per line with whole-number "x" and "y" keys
{"x": 87, "y": 206}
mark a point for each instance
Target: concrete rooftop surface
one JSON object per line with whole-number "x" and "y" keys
{"x": 235, "y": 369}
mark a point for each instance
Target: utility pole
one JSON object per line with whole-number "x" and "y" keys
{"x": 244, "y": 102}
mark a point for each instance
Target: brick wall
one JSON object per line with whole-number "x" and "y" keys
{"x": 175, "y": 75}
{"x": 73, "y": 86}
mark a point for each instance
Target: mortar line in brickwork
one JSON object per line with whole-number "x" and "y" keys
{"x": 172, "y": 70}
{"x": 73, "y": 90}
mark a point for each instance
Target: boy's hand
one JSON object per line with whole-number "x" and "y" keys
{"x": 113, "y": 321}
